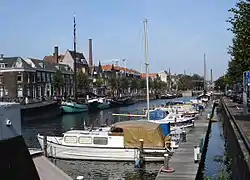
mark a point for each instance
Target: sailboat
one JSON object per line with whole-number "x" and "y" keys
{"x": 73, "y": 106}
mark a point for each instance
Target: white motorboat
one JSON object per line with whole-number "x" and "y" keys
{"x": 118, "y": 143}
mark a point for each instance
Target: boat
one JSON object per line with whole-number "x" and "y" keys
{"x": 103, "y": 103}
{"x": 121, "y": 101}
{"x": 119, "y": 142}
{"x": 93, "y": 104}
{"x": 73, "y": 107}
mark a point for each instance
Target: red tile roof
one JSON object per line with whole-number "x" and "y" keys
{"x": 108, "y": 67}
{"x": 151, "y": 75}
{"x": 52, "y": 59}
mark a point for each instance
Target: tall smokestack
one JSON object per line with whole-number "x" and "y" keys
{"x": 211, "y": 75}
{"x": 56, "y": 53}
{"x": 205, "y": 73}
{"x": 90, "y": 53}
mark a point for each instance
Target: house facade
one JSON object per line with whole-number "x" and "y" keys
{"x": 31, "y": 78}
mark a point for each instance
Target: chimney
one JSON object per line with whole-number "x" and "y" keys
{"x": 90, "y": 53}
{"x": 211, "y": 74}
{"x": 1, "y": 56}
{"x": 56, "y": 53}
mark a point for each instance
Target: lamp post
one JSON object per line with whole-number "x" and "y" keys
{"x": 245, "y": 77}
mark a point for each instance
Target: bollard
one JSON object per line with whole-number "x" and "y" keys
{"x": 184, "y": 136}
{"x": 166, "y": 161}
{"x": 196, "y": 154}
{"x": 166, "y": 167}
{"x": 45, "y": 145}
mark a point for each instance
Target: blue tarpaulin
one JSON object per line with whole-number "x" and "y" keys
{"x": 165, "y": 128}
{"x": 157, "y": 114}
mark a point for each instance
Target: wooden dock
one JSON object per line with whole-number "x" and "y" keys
{"x": 182, "y": 160}
{"x": 46, "y": 169}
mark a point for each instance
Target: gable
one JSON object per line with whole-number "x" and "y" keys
{"x": 18, "y": 63}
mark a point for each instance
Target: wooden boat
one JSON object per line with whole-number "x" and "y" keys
{"x": 117, "y": 143}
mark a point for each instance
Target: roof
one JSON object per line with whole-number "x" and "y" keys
{"x": 151, "y": 75}
{"x": 52, "y": 59}
{"x": 11, "y": 62}
{"x": 79, "y": 56}
{"x": 108, "y": 67}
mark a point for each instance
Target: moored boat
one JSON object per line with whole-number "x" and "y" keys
{"x": 119, "y": 143}
{"x": 73, "y": 107}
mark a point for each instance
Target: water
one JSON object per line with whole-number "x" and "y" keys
{"x": 216, "y": 150}
{"x": 92, "y": 169}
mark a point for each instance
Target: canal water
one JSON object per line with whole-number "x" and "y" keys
{"x": 93, "y": 170}
{"x": 214, "y": 162}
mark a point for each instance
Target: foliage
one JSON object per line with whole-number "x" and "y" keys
{"x": 99, "y": 82}
{"x": 124, "y": 82}
{"x": 220, "y": 83}
{"x": 240, "y": 48}
{"x": 58, "y": 80}
{"x": 142, "y": 84}
{"x": 186, "y": 82}
{"x": 82, "y": 80}
{"x": 134, "y": 84}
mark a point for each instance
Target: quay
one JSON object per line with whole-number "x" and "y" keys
{"x": 236, "y": 128}
{"x": 45, "y": 168}
{"x": 182, "y": 160}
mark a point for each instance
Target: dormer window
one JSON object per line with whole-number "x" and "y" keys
{"x": 2, "y": 65}
{"x": 57, "y": 67}
{"x": 19, "y": 63}
{"x": 41, "y": 64}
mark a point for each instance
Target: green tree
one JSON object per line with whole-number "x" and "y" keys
{"x": 134, "y": 84}
{"x": 82, "y": 81}
{"x": 58, "y": 81}
{"x": 99, "y": 82}
{"x": 124, "y": 82}
{"x": 240, "y": 48}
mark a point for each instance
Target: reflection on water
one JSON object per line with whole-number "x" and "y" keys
{"x": 91, "y": 169}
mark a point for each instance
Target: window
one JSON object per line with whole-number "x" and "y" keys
{"x": 2, "y": 65}
{"x": 19, "y": 78}
{"x": 34, "y": 78}
{"x": 52, "y": 76}
{"x": 19, "y": 91}
{"x": 38, "y": 75}
{"x": 43, "y": 76}
{"x": 28, "y": 92}
{"x": 70, "y": 139}
{"x": 48, "y": 77}
{"x": 85, "y": 140}
{"x": 1, "y": 92}
{"x": 1, "y": 79}
{"x": 101, "y": 140}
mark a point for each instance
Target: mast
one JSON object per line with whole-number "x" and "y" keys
{"x": 145, "y": 22}
{"x": 75, "y": 83}
{"x": 205, "y": 74}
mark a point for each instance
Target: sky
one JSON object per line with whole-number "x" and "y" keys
{"x": 179, "y": 31}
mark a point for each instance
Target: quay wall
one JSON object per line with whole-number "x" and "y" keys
{"x": 41, "y": 110}
{"x": 237, "y": 150}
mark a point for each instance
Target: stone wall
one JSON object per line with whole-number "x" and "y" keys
{"x": 236, "y": 149}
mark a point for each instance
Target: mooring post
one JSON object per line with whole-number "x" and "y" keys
{"x": 80, "y": 178}
{"x": 166, "y": 161}
{"x": 45, "y": 145}
{"x": 184, "y": 136}
{"x": 141, "y": 156}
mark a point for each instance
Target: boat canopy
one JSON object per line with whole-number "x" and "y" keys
{"x": 133, "y": 131}
{"x": 157, "y": 114}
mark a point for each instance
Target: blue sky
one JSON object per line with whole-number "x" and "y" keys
{"x": 180, "y": 31}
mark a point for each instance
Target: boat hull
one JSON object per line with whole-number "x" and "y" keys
{"x": 57, "y": 150}
{"x": 103, "y": 106}
{"x": 74, "y": 108}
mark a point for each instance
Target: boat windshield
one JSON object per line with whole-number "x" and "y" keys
{"x": 158, "y": 114}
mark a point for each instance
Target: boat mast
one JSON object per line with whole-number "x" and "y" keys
{"x": 75, "y": 83}
{"x": 145, "y": 22}
{"x": 205, "y": 75}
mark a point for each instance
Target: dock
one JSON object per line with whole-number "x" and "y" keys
{"x": 45, "y": 168}
{"x": 182, "y": 160}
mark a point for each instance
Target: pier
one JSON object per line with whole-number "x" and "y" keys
{"x": 46, "y": 169}
{"x": 182, "y": 160}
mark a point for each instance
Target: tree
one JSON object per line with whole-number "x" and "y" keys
{"x": 134, "y": 84}
{"x": 82, "y": 81}
{"x": 99, "y": 82}
{"x": 240, "y": 48}
{"x": 58, "y": 81}
{"x": 124, "y": 83}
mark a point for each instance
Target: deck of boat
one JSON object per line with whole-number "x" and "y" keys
{"x": 182, "y": 160}
{"x": 46, "y": 169}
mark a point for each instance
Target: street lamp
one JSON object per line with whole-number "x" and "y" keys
{"x": 124, "y": 61}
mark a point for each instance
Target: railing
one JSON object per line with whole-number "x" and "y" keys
{"x": 238, "y": 128}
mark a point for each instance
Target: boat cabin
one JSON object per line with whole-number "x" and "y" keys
{"x": 121, "y": 135}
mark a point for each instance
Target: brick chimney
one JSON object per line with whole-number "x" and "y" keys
{"x": 56, "y": 54}
{"x": 90, "y": 53}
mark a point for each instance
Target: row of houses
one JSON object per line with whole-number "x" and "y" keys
{"x": 29, "y": 77}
